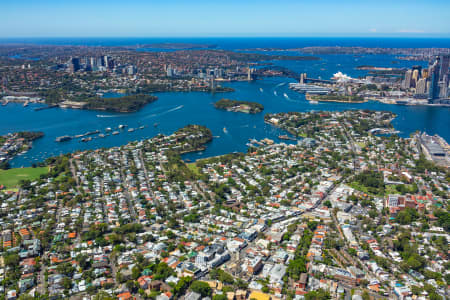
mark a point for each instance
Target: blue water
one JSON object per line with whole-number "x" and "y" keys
{"x": 247, "y": 42}
{"x": 174, "y": 110}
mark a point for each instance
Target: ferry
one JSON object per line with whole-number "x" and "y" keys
{"x": 115, "y": 133}
{"x": 63, "y": 138}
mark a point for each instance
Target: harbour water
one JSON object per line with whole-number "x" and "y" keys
{"x": 174, "y": 110}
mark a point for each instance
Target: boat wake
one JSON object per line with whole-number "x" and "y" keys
{"x": 164, "y": 112}
{"x": 108, "y": 116}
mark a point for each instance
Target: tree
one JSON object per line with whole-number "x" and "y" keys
{"x": 365, "y": 295}
{"x": 182, "y": 285}
{"x": 202, "y": 288}
{"x": 320, "y": 294}
{"x": 296, "y": 267}
{"x": 351, "y": 251}
{"x": 219, "y": 297}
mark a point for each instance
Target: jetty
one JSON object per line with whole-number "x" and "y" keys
{"x": 46, "y": 107}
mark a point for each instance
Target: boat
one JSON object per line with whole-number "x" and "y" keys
{"x": 101, "y": 135}
{"x": 122, "y": 126}
{"x": 115, "y": 133}
{"x": 261, "y": 90}
{"x": 225, "y": 130}
{"x": 275, "y": 93}
{"x": 131, "y": 130}
{"x": 285, "y": 96}
{"x": 108, "y": 129}
{"x": 86, "y": 139}
{"x": 141, "y": 127}
{"x": 314, "y": 102}
{"x": 92, "y": 132}
{"x": 286, "y": 137}
{"x": 63, "y": 138}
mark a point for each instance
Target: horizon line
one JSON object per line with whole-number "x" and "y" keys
{"x": 392, "y": 35}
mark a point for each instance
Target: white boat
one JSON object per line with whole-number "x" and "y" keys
{"x": 275, "y": 93}
{"x": 115, "y": 133}
{"x": 131, "y": 130}
{"x": 225, "y": 130}
{"x": 314, "y": 102}
{"x": 108, "y": 129}
{"x": 261, "y": 90}
{"x": 286, "y": 96}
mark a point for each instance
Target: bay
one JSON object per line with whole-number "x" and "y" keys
{"x": 232, "y": 131}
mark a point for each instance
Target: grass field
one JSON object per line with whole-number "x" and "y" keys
{"x": 361, "y": 144}
{"x": 193, "y": 167}
{"x": 10, "y": 178}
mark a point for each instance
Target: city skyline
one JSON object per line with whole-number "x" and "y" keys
{"x": 200, "y": 18}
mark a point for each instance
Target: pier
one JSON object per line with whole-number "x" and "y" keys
{"x": 46, "y": 107}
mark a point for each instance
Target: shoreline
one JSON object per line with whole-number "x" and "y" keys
{"x": 309, "y": 98}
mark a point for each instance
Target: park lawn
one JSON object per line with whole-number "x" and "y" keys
{"x": 362, "y": 188}
{"x": 390, "y": 189}
{"x": 361, "y": 144}
{"x": 358, "y": 187}
{"x": 10, "y": 178}
{"x": 193, "y": 167}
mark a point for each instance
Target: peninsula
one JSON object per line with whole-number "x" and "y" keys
{"x": 123, "y": 104}
{"x": 335, "y": 98}
{"x": 12, "y": 144}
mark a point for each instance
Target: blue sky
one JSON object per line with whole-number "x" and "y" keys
{"x": 190, "y": 18}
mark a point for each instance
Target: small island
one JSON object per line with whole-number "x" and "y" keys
{"x": 239, "y": 106}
